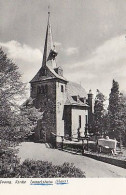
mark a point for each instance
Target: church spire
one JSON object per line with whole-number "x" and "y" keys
{"x": 49, "y": 48}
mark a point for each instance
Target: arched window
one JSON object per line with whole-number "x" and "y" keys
{"x": 62, "y": 89}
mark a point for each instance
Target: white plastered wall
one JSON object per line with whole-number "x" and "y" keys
{"x": 60, "y": 101}
{"x": 75, "y": 122}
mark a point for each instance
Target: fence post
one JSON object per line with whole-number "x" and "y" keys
{"x": 55, "y": 142}
{"x": 62, "y": 142}
{"x": 78, "y": 132}
{"x": 82, "y": 146}
{"x": 87, "y": 144}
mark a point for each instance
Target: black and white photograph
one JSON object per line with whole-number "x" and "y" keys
{"x": 62, "y": 89}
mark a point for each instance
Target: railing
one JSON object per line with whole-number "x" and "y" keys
{"x": 71, "y": 138}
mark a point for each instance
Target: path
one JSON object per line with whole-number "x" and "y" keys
{"x": 91, "y": 167}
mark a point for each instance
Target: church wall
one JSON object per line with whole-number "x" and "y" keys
{"x": 60, "y": 101}
{"x": 47, "y": 103}
{"x": 33, "y": 90}
{"x": 76, "y": 112}
{"x": 67, "y": 120}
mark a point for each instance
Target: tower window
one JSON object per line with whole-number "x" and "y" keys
{"x": 79, "y": 121}
{"x": 62, "y": 89}
{"x": 46, "y": 89}
{"x": 42, "y": 89}
{"x": 86, "y": 117}
{"x": 38, "y": 89}
{"x": 43, "y": 72}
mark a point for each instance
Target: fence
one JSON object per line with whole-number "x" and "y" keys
{"x": 61, "y": 144}
{"x": 85, "y": 150}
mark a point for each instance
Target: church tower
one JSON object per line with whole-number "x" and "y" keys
{"x": 48, "y": 91}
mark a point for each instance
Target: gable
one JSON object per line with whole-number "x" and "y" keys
{"x": 40, "y": 76}
{"x": 49, "y": 74}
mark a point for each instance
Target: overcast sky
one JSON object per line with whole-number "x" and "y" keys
{"x": 89, "y": 36}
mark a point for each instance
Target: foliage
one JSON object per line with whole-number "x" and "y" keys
{"x": 120, "y": 120}
{"x": 26, "y": 121}
{"x": 114, "y": 98}
{"x": 113, "y": 108}
{"x": 99, "y": 113}
{"x": 40, "y": 169}
{"x": 46, "y": 169}
{"x": 11, "y": 91}
{"x": 16, "y": 122}
{"x": 8, "y": 163}
{"x": 117, "y": 113}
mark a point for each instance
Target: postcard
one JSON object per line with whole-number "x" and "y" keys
{"x": 62, "y": 96}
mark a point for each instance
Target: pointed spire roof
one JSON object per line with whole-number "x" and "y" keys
{"x": 49, "y": 53}
{"x": 48, "y": 69}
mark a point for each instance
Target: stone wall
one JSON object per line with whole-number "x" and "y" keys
{"x": 47, "y": 103}
{"x": 112, "y": 161}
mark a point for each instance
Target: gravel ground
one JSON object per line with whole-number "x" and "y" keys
{"x": 91, "y": 167}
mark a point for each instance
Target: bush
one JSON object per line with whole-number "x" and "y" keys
{"x": 9, "y": 164}
{"x": 41, "y": 169}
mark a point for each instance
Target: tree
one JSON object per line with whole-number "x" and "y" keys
{"x": 15, "y": 121}
{"x": 11, "y": 90}
{"x": 99, "y": 113}
{"x": 113, "y": 108}
{"x": 27, "y": 119}
{"x": 120, "y": 120}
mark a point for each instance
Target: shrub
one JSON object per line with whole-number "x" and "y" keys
{"x": 39, "y": 169}
{"x": 42, "y": 169}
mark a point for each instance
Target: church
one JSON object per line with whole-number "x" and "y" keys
{"x": 67, "y": 108}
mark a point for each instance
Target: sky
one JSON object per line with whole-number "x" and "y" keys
{"x": 89, "y": 38}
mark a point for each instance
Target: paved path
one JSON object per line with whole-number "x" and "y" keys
{"x": 91, "y": 167}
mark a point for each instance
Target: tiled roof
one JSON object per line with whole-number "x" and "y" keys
{"x": 51, "y": 75}
{"x": 75, "y": 89}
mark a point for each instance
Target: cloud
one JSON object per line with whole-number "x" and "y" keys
{"x": 107, "y": 59}
{"x": 26, "y": 58}
{"x": 106, "y": 62}
{"x": 24, "y": 52}
{"x": 71, "y": 51}
{"x": 77, "y": 76}
{"x": 110, "y": 54}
